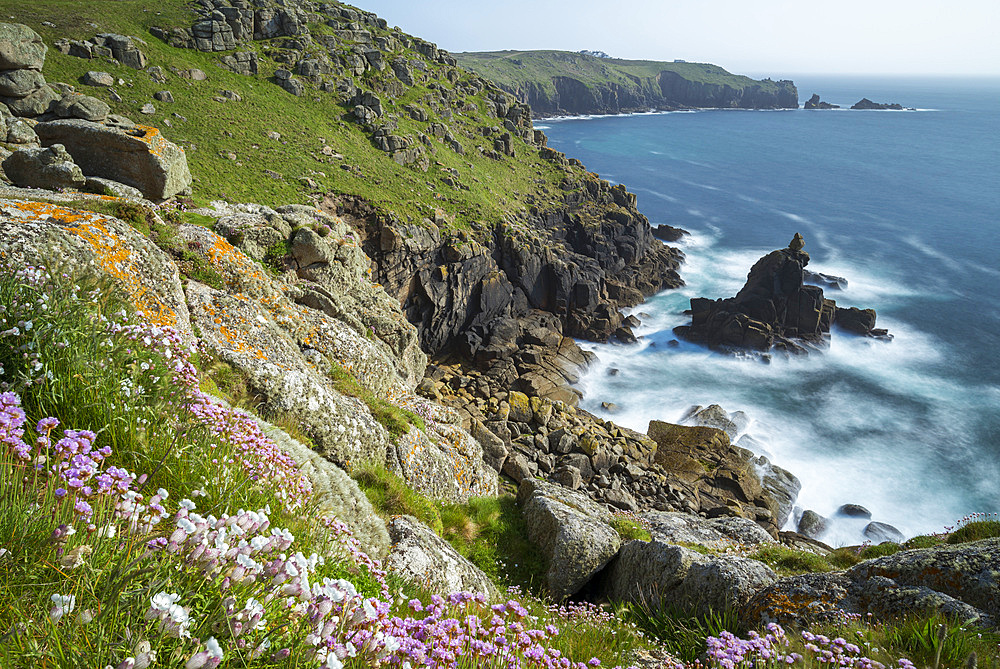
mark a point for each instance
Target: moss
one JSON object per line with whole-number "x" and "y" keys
{"x": 629, "y": 529}
{"x": 880, "y": 550}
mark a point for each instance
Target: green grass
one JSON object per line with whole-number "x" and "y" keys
{"x": 928, "y": 640}
{"x": 787, "y": 561}
{"x": 924, "y": 541}
{"x": 393, "y": 418}
{"x": 975, "y": 531}
{"x": 390, "y": 496}
{"x": 210, "y": 130}
{"x": 491, "y": 533}
{"x": 680, "y": 631}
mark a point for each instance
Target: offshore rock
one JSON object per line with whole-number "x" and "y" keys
{"x": 959, "y": 581}
{"x": 815, "y": 103}
{"x": 774, "y": 309}
{"x": 420, "y": 556}
{"x": 865, "y": 103}
{"x": 573, "y": 532}
{"x": 138, "y": 156}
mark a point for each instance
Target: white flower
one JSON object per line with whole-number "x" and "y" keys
{"x": 162, "y": 493}
{"x": 332, "y": 662}
{"x": 164, "y": 600}
{"x": 63, "y": 605}
{"x": 186, "y": 504}
{"x": 213, "y": 648}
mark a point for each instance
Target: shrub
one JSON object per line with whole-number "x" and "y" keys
{"x": 880, "y": 550}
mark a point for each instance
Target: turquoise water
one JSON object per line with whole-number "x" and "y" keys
{"x": 906, "y": 206}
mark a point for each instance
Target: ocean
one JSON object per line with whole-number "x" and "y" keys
{"x": 906, "y": 207}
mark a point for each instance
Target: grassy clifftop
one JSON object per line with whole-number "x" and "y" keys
{"x": 321, "y": 147}
{"x": 540, "y": 78}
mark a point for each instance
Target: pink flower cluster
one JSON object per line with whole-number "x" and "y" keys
{"x": 730, "y": 652}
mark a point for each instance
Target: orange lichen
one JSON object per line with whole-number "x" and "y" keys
{"x": 110, "y": 253}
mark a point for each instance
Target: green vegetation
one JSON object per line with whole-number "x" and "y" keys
{"x": 787, "y": 561}
{"x": 471, "y": 187}
{"x": 390, "y": 496}
{"x": 924, "y": 541}
{"x": 929, "y": 640}
{"x": 102, "y": 576}
{"x": 679, "y": 630}
{"x": 393, "y": 418}
{"x": 630, "y": 529}
{"x": 490, "y": 532}
{"x": 538, "y": 69}
{"x": 974, "y": 531}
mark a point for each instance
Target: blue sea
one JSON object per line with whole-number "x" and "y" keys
{"x": 906, "y": 207}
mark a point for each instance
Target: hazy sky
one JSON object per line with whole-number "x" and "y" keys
{"x": 772, "y": 37}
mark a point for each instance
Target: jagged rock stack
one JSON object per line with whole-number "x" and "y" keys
{"x": 774, "y": 309}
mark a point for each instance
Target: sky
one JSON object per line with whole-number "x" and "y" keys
{"x": 763, "y": 37}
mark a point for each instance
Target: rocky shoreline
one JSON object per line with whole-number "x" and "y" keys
{"x": 330, "y": 313}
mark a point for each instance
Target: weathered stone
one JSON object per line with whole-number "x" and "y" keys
{"x": 139, "y": 156}
{"x": 958, "y": 581}
{"x": 51, "y": 168}
{"x": 93, "y": 78}
{"x": 881, "y": 532}
{"x": 812, "y": 524}
{"x": 572, "y": 531}
{"x": 83, "y": 107}
{"x": 34, "y": 104}
{"x": 655, "y": 573}
{"x": 20, "y": 48}
{"x": 421, "y": 557}
{"x": 20, "y": 83}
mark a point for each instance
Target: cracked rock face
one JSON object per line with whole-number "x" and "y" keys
{"x": 658, "y": 573}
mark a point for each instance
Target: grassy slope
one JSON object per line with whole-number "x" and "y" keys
{"x": 214, "y": 129}
{"x": 517, "y": 68}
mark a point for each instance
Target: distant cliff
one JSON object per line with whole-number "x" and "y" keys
{"x": 561, "y": 82}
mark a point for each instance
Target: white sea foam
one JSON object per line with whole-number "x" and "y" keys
{"x": 849, "y": 421}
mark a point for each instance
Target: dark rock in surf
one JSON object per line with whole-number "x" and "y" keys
{"x": 774, "y": 309}
{"x": 865, "y": 103}
{"x": 815, "y": 103}
{"x": 854, "y": 511}
{"x": 669, "y": 233}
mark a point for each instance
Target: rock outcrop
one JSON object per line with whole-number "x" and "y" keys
{"x": 865, "y": 103}
{"x": 573, "y": 532}
{"x": 774, "y": 309}
{"x": 959, "y": 581}
{"x": 815, "y": 103}
{"x": 51, "y": 168}
{"x": 135, "y": 155}
{"x": 420, "y": 556}
{"x": 655, "y": 574}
